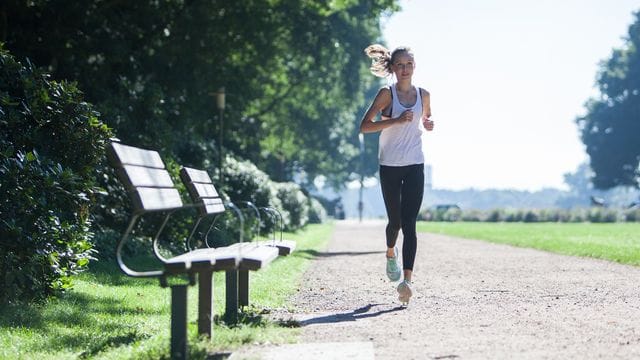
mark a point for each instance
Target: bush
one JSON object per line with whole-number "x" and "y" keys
{"x": 632, "y": 215}
{"x": 294, "y": 203}
{"x": 495, "y": 215}
{"x": 317, "y": 212}
{"x": 531, "y": 216}
{"x": 50, "y": 144}
{"x": 602, "y": 215}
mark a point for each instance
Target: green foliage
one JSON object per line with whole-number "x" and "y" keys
{"x": 50, "y": 143}
{"x": 317, "y": 212}
{"x": 243, "y": 181}
{"x": 295, "y": 204}
{"x": 294, "y": 73}
{"x": 577, "y": 215}
{"x": 610, "y": 128}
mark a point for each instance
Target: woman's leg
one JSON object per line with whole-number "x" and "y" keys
{"x": 391, "y": 184}
{"x": 411, "y": 201}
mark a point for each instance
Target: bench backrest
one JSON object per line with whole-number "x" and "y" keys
{"x": 145, "y": 178}
{"x": 202, "y": 191}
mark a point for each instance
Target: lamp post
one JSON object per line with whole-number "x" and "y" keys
{"x": 220, "y": 104}
{"x": 360, "y": 203}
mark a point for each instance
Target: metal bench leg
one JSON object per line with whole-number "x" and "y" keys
{"x": 243, "y": 290}
{"x": 231, "y": 308}
{"x": 205, "y": 303}
{"x": 179, "y": 321}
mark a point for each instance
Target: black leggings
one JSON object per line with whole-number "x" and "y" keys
{"x": 402, "y": 190}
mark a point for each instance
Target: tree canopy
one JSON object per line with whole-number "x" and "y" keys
{"x": 611, "y": 128}
{"x": 294, "y": 73}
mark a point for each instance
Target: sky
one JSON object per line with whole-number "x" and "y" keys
{"x": 507, "y": 80}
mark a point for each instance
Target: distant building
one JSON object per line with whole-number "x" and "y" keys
{"x": 428, "y": 173}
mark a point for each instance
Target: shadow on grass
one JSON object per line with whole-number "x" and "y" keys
{"x": 107, "y": 271}
{"x": 79, "y": 321}
{"x": 312, "y": 254}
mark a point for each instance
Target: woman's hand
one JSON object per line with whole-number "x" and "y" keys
{"x": 406, "y": 116}
{"x": 428, "y": 124}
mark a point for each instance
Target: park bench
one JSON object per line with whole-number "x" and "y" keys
{"x": 199, "y": 186}
{"x": 151, "y": 190}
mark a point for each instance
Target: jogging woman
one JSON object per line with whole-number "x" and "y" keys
{"x": 404, "y": 111}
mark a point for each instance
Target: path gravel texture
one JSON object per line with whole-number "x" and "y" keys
{"x": 475, "y": 300}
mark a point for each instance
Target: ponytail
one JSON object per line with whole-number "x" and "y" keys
{"x": 380, "y": 60}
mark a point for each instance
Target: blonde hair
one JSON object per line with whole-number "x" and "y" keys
{"x": 382, "y": 58}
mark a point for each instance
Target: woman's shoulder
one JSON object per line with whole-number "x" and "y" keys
{"x": 385, "y": 89}
{"x": 423, "y": 92}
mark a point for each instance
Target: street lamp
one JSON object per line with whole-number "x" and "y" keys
{"x": 220, "y": 104}
{"x": 360, "y": 203}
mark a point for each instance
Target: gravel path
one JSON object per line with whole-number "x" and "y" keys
{"x": 475, "y": 300}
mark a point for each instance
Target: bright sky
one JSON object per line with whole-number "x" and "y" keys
{"x": 507, "y": 79}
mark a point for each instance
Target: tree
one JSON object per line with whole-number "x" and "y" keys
{"x": 611, "y": 126}
{"x": 293, "y": 71}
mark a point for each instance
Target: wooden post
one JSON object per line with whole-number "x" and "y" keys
{"x": 231, "y": 308}
{"x": 243, "y": 288}
{"x": 179, "y": 322}
{"x": 205, "y": 303}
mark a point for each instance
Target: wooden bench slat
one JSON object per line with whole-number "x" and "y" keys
{"x": 135, "y": 176}
{"x": 205, "y": 190}
{"x": 213, "y": 206}
{"x": 129, "y": 155}
{"x": 285, "y": 247}
{"x": 258, "y": 257}
{"x": 146, "y": 198}
{"x": 195, "y": 175}
{"x": 216, "y": 259}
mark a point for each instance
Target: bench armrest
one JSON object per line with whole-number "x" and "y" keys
{"x": 156, "y": 251}
{"x": 230, "y": 205}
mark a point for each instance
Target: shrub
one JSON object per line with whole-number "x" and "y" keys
{"x": 472, "y": 216}
{"x": 531, "y": 216}
{"x": 50, "y": 144}
{"x": 512, "y": 215}
{"x": 602, "y": 215}
{"x": 294, "y": 203}
{"x": 317, "y": 212}
{"x": 243, "y": 181}
{"x": 495, "y": 215}
{"x": 632, "y": 215}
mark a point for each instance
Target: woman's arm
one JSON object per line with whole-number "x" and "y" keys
{"x": 381, "y": 101}
{"x": 426, "y": 110}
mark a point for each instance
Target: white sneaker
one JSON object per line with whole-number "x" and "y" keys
{"x": 393, "y": 270}
{"x": 404, "y": 292}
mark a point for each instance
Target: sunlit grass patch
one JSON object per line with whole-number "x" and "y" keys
{"x": 111, "y": 316}
{"x": 619, "y": 242}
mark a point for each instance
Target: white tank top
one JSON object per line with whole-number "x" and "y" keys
{"x": 401, "y": 144}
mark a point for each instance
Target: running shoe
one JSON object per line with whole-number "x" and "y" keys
{"x": 393, "y": 270}
{"x": 404, "y": 292}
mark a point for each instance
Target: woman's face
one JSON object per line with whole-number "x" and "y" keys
{"x": 403, "y": 65}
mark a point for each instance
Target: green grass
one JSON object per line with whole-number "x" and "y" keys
{"x": 111, "y": 316}
{"x": 619, "y": 242}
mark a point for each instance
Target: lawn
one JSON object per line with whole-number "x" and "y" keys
{"x": 619, "y": 242}
{"x": 111, "y": 316}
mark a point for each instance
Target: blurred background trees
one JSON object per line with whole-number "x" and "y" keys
{"x": 75, "y": 73}
{"x": 611, "y": 127}
{"x": 294, "y": 73}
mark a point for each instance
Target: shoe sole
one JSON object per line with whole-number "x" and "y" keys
{"x": 404, "y": 295}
